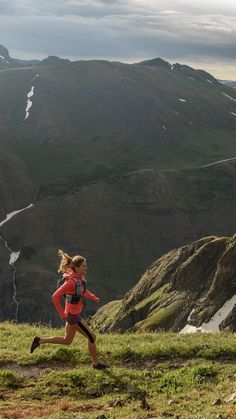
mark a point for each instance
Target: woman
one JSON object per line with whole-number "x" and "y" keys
{"x": 74, "y": 287}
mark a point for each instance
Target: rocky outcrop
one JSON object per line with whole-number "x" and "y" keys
{"x": 187, "y": 286}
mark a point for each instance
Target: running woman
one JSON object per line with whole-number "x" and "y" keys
{"x": 74, "y": 270}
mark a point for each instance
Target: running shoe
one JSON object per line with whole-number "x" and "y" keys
{"x": 35, "y": 344}
{"x": 100, "y": 366}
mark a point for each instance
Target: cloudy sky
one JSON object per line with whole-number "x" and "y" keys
{"x": 201, "y": 33}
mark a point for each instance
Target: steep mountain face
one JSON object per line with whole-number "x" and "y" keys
{"x": 188, "y": 289}
{"x": 120, "y": 225}
{"x": 5, "y": 59}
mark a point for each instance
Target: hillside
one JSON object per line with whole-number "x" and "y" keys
{"x": 143, "y": 215}
{"x": 108, "y": 153}
{"x": 190, "y": 288}
{"x": 88, "y": 120}
{"x": 150, "y": 375}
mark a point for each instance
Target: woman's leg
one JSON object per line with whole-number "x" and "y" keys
{"x": 83, "y": 328}
{"x": 70, "y": 330}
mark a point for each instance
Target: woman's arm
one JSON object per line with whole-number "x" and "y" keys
{"x": 56, "y": 298}
{"x": 91, "y": 296}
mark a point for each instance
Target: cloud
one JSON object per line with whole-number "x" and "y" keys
{"x": 119, "y": 29}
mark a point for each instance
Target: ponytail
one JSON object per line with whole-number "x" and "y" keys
{"x": 68, "y": 263}
{"x": 65, "y": 261}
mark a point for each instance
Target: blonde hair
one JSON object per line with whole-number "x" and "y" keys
{"x": 68, "y": 263}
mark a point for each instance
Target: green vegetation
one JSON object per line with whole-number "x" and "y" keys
{"x": 107, "y": 313}
{"x": 151, "y": 375}
{"x": 91, "y": 120}
{"x": 160, "y": 318}
{"x": 185, "y": 278}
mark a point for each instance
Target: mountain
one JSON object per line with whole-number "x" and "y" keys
{"x": 53, "y": 60}
{"x": 190, "y": 288}
{"x": 111, "y": 155}
{"x": 26, "y": 63}
{"x": 120, "y": 225}
{"x": 91, "y": 120}
{"x": 155, "y": 62}
{"x": 7, "y": 62}
{"x": 184, "y": 69}
{"x": 229, "y": 83}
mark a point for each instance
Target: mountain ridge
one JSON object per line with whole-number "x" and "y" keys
{"x": 7, "y": 62}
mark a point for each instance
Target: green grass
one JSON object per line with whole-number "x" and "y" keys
{"x": 171, "y": 374}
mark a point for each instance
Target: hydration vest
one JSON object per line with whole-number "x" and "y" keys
{"x": 80, "y": 288}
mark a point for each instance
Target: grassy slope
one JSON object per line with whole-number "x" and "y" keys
{"x": 175, "y": 375}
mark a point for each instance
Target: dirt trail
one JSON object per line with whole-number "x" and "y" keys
{"x": 37, "y": 370}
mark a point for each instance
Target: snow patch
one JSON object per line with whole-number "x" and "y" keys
{"x": 216, "y": 320}
{"x": 219, "y": 161}
{"x": 182, "y": 100}
{"x": 234, "y": 114}
{"x": 29, "y": 102}
{"x": 13, "y": 258}
{"x": 172, "y": 67}
{"x": 209, "y": 81}
{"x": 164, "y": 127}
{"x": 220, "y": 315}
{"x": 12, "y": 214}
{"x": 229, "y": 97}
{"x": 190, "y": 314}
{"x": 3, "y": 58}
{"x": 190, "y": 329}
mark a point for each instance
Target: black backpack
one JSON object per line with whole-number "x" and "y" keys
{"x": 80, "y": 288}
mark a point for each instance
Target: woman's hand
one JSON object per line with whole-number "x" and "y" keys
{"x": 97, "y": 300}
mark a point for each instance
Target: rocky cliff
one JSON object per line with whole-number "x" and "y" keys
{"x": 192, "y": 288}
